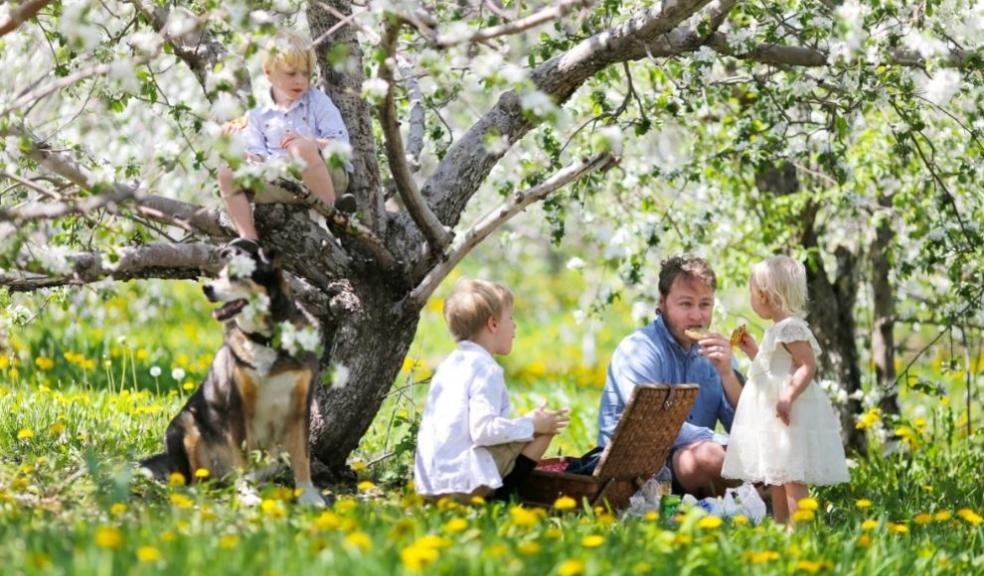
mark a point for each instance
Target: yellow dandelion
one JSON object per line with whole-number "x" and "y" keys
{"x": 969, "y": 516}
{"x": 922, "y": 518}
{"x": 415, "y": 558}
{"x": 344, "y": 505}
{"x": 528, "y": 548}
{"x": 605, "y": 519}
{"x": 358, "y": 466}
{"x": 181, "y": 501}
{"x": 25, "y": 434}
{"x": 477, "y": 500}
{"x": 148, "y": 554}
{"x": 117, "y": 509}
{"x": 359, "y": 540}
{"x": 327, "y": 520}
{"x": 682, "y": 539}
{"x": 811, "y": 566}
{"x": 57, "y": 428}
{"x": 642, "y": 568}
{"x": 945, "y": 401}
{"x": 898, "y": 528}
{"x": 522, "y": 516}
{"x": 202, "y": 473}
{"x": 188, "y": 386}
{"x": 565, "y": 503}
{"x": 869, "y": 419}
{"x": 228, "y": 541}
{"x": 273, "y": 508}
{"x": 570, "y": 568}
{"x": 44, "y": 363}
{"x": 740, "y": 520}
{"x": 455, "y": 525}
{"x": 366, "y": 486}
{"x": 108, "y": 537}
{"x": 869, "y": 524}
{"x": 167, "y": 536}
{"x": 760, "y": 556}
{"x": 808, "y": 504}
{"x": 803, "y": 515}
{"x": 176, "y": 479}
{"x": 942, "y": 516}
{"x": 864, "y": 540}
{"x": 553, "y": 533}
{"x": 593, "y": 541}
{"x": 863, "y": 503}
{"x": 709, "y": 523}
{"x": 651, "y": 516}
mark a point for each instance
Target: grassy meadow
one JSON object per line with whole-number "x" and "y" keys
{"x": 90, "y": 384}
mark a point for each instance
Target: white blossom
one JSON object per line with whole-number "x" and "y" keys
{"x": 254, "y": 311}
{"x": 180, "y": 22}
{"x": 295, "y": 341}
{"x": 146, "y": 41}
{"x": 226, "y": 107}
{"x": 178, "y": 374}
{"x": 241, "y": 266}
{"x": 260, "y": 17}
{"x": 538, "y": 103}
{"x": 942, "y": 86}
{"x": 54, "y": 258}
{"x": 923, "y": 43}
{"x": 575, "y": 263}
{"x": 337, "y": 149}
{"x": 339, "y": 376}
{"x": 155, "y": 371}
{"x": 375, "y": 89}
{"x": 123, "y": 72}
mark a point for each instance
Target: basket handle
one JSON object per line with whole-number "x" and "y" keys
{"x": 669, "y": 398}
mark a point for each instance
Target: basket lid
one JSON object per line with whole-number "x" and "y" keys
{"x": 646, "y": 431}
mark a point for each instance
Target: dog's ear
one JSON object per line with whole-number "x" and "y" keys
{"x": 271, "y": 256}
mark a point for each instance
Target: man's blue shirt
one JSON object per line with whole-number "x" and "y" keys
{"x": 651, "y": 355}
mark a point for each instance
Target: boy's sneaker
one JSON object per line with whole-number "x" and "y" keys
{"x": 346, "y": 203}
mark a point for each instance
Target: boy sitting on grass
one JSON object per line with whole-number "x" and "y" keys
{"x": 297, "y": 121}
{"x": 468, "y": 445}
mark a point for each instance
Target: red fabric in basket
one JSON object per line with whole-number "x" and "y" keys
{"x": 552, "y": 464}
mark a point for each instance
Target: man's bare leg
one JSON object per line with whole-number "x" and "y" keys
{"x": 697, "y": 468}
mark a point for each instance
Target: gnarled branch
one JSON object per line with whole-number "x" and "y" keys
{"x": 499, "y": 216}
{"x": 162, "y": 260}
{"x": 435, "y": 233}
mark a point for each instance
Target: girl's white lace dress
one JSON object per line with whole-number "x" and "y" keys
{"x": 761, "y": 447}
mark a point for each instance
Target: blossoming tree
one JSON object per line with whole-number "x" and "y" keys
{"x": 847, "y": 133}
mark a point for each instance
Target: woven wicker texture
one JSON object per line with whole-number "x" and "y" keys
{"x": 645, "y": 432}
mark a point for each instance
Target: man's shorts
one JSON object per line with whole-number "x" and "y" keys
{"x": 505, "y": 456}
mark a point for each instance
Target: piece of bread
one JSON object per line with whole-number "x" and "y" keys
{"x": 737, "y": 333}
{"x": 696, "y": 333}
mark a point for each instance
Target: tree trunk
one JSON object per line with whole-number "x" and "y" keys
{"x": 883, "y": 325}
{"x": 831, "y": 304}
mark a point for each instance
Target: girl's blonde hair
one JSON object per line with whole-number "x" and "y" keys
{"x": 783, "y": 280}
{"x": 288, "y": 49}
{"x": 471, "y": 305}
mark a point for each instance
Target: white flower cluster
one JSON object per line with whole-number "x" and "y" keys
{"x": 254, "y": 311}
{"x": 54, "y": 258}
{"x": 294, "y": 341}
{"x": 374, "y": 89}
{"x": 337, "y": 149}
{"x": 943, "y": 85}
{"x": 538, "y": 104}
{"x": 241, "y": 266}
{"x": 75, "y": 26}
{"x": 339, "y": 376}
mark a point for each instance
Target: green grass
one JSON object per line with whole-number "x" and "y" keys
{"x": 80, "y": 404}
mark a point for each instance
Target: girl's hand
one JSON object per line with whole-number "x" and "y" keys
{"x": 546, "y": 421}
{"x": 748, "y": 345}
{"x": 784, "y": 407}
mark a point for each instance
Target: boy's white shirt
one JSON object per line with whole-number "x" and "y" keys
{"x": 467, "y": 409}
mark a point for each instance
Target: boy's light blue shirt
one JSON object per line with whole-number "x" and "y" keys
{"x": 651, "y": 355}
{"x": 313, "y": 114}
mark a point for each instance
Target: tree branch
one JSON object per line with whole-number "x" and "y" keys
{"x": 499, "y": 216}
{"x": 21, "y": 14}
{"x": 656, "y": 31}
{"x": 437, "y": 236}
{"x": 163, "y": 260}
{"x": 52, "y": 210}
{"x": 778, "y": 54}
{"x": 558, "y": 10}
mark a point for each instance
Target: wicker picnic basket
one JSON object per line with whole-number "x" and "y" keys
{"x": 641, "y": 443}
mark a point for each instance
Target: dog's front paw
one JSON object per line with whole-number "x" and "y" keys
{"x": 311, "y": 497}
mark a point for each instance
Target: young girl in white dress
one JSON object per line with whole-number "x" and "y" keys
{"x": 785, "y": 433}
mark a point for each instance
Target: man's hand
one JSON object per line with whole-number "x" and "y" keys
{"x": 784, "y": 407}
{"x": 717, "y": 349}
{"x": 546, "y": 421}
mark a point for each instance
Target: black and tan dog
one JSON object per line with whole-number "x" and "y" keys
{"x": 258, "y": 391}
